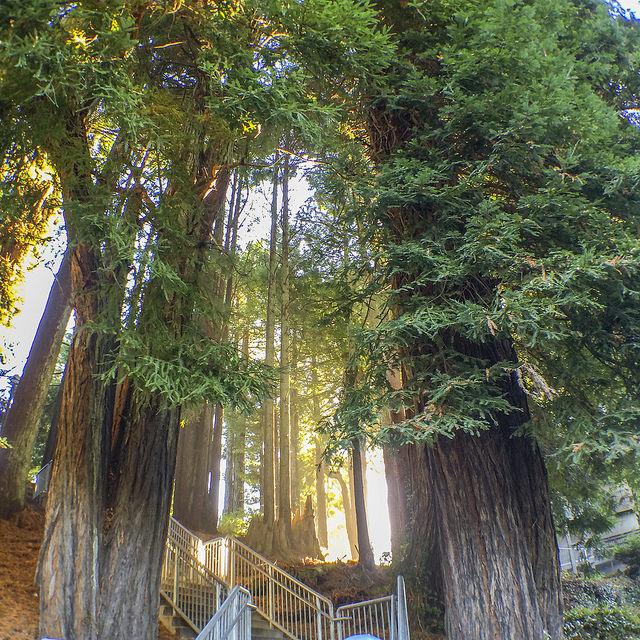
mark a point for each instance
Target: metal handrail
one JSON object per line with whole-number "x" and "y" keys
{"x": 191, "y": 589}
{"x": 375, "y": 617}
{"x": 42, "y": 480}
{"x": 232, "y": 620}
{"x": 284, "y": 601}
{"x": 403, "y": 612}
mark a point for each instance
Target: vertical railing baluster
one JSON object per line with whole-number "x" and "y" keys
{"x": 271, "y": 595}
{"x": 175, "y": 578}
{"x": 319, "y": 618}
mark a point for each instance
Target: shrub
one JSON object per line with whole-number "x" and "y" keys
{"x": 233, "y": 524}
{"x": 590, "y": 592}
{"x": 601, "y": 623}
{"x": 629, "y": 553}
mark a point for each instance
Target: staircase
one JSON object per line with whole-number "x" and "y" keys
{"x": 223, "y": 590}
{"x": 172, "y": 621}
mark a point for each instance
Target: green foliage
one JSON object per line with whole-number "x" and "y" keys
{"x": 504, "y": 209}
{"x": 601, "y": 623}
{"x": 128, "y": 110}
{"x": 234, "y": 524}
{"x": 590, "y": 592}
{"x": 629, "y": 553}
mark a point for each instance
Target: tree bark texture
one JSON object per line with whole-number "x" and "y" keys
{"x": 485, "y": 544}
{"x": 483, "y": 499}
{"x": 23, "y": 417}
{"x": 192, "y": 503}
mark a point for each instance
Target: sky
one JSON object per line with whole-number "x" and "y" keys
{"x": 17, "y": 340}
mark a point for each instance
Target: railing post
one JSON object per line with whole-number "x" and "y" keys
{"x": 332, "y": 623}
{"x": 230, "y": 562}
{"x": 270, "y": 596}
{"x": 176, "y": 576}
{"x": 402, "y": 615}
{"x": 318, "y": 618}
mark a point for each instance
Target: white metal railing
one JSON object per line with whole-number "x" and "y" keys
{"x": 232, "y": 620}
{"x": 192, "y": 590}
{"x": 42, "y": 480}
{"x": 284, "y": 601}
{"x": 385, "y": 618}
{"x": 403, "y": 612}
{"x": 574, "y": 554}
{"x": 375, "y": 617}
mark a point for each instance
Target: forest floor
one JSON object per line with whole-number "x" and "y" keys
{"x": 20, "y": 540}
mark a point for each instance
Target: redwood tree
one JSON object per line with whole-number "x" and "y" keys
{"x": 504, "y": 154}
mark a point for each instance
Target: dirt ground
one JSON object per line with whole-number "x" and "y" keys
{"x": 19, "y": 544}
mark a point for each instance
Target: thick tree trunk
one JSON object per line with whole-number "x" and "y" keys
{"x": 365, "y": 552}
{"x": 69, "y": 566}
{"x": 108, "y": 502}
{"x": 191, "y": 503}
{"x": 485, "y": 542}
{"x": 134, "y": 537}
{"x": 492, "y": 520}
{"x": 23, "y": 417}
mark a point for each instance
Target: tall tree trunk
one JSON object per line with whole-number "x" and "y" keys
{"x": 493, "y": 523}
{"x": 365, "y": 552}
{"x": 349, "y": 515}
{"x": 134, "y": 534}
{"x": 268, "y": 461}
{"x": 321, "y": 496}
{"x": 321, "y": 467}
{"x": 108, "y": 503}
{"x": 23, "y": 417}
{"x": 236, "y": 453}
{"x": 284, "y": 482}
{"x": 296, "y": 471}
{"x": 197, "y": 484}
{"x": 395, "y": 501}
{"x": 483, "y": 498}
{"x": 192, "y": 489}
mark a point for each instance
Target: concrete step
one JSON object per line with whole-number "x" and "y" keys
{"x": 174, "y": 624}
{"x": 262, "y": 630}
{"x": 266, "y": 634}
